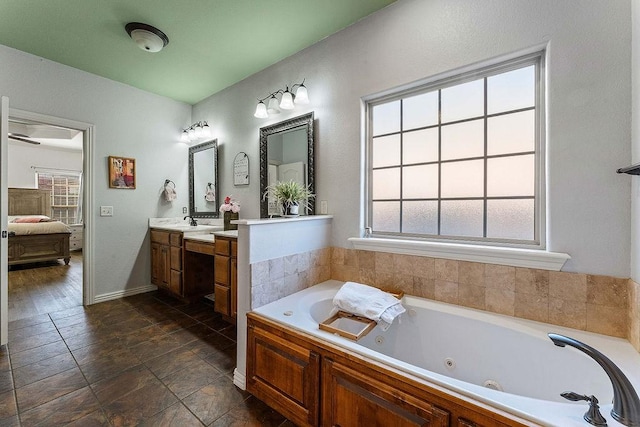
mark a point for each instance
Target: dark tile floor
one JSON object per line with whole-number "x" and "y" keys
{"x": 143, "y": 360}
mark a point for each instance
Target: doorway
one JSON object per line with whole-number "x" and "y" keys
{"x": 50, "y": 154}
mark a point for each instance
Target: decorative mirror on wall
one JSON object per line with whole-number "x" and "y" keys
{"x": 203, "y": 180}
{"x": 287, "y": 153}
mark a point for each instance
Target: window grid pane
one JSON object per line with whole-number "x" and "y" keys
{"x": 65, "y": 190}
{"x": 494, "y": 143}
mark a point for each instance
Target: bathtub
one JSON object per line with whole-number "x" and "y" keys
{"x": 506, "y": 362}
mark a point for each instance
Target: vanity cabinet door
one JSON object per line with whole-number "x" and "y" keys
{"x": 284, "y": 375}
{"x": 234, "y": 288}
{"x": 160, "y": 267}
{"x": 352, "y": 398}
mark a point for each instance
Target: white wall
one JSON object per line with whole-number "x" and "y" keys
{"x": 589, "y": 107}
{"x": 128, "y": 123}
{"x": 635, "y": 144}
{"x": 23, "y": 156}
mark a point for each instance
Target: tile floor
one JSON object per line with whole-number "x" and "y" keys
{"x": 143, "y": 360}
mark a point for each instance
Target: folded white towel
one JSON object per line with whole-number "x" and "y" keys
{"x": 367, "y": 301}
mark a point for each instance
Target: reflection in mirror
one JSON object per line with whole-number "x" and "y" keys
{"x": 286, "y": 153}
{"x": 203, "y": 180}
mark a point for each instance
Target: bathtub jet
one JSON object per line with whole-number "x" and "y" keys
{"x": 626, "y": 405}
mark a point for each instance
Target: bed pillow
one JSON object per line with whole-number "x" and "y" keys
{"x": 31, "y": 219}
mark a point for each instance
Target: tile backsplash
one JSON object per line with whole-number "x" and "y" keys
{"x": 601, "y": 304}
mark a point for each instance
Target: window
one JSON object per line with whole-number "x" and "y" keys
{"x": 460, "y": 159}
{"x": 65, "y": 194}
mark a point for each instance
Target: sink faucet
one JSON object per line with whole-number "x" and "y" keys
{"x": 192, "y": 221}
{"x": 626, "y": 405}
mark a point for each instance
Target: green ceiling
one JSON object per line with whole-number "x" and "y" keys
{"x": 212, "y": 43}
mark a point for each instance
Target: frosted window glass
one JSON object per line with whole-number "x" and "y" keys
{"x": 511, "y": 176}
{"x": 386, "y": 184}
{"x": 510, "y": 219}
{"x": 386, "y": 118}
{"x": 463, "y": 179}
{"x": 420, "y": 182}
{"x": 463, "y": 101}
{"x": 463, "y": 140}
{"x": 511, "y": 90}
{"x": 420, "y": 217}
{"x": 420, "y": 111}
{"x": 386, "y": 151}
{"x": 511, "y": 133}
{"x": 461, "y": 218}
{"x": 386, "y": 216}
{"x": 420, "y": 146}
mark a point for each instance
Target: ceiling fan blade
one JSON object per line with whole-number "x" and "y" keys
{"x": 22, "y": 139}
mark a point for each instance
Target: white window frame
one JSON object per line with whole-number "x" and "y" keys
{"x": 497, "y": 251}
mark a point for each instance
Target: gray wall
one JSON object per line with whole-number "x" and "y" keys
{"x": 128, "y": 123}
{"x": 589, "y": 107}
{"x": 635, "y": 146}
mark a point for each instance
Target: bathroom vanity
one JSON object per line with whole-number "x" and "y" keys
{"x": 191, "y": 262}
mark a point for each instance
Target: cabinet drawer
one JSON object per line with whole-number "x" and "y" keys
{"x": 221, "y": 269}
{"x": 176, "y": 258}
{"x": 222, "y": 246}
{"x": 234, "y": 248}
{"x": 175, "y": 239}
{"x": 221, "y": 303}
{"x": 203, "y": 248}
{"x": 74, "y": 246}
{"x": 160, "y": 237}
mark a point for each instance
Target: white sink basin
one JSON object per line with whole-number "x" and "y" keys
{"x": 185, "y": 228}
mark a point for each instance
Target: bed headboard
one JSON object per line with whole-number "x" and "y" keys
{"x": 29, "y": 201}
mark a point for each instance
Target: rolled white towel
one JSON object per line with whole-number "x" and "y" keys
{"x": 367, "y": 301}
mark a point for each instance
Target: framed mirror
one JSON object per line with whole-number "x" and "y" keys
{"x": 203, "y": 180}
{"x": 287, "y": 153}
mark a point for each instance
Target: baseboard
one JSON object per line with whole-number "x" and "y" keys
{"x": 239, "y": 379}
{"x": 125, "y": 293}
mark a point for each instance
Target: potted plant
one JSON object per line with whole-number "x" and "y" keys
{"x": 230, "y": 209}
{"x": 290, "y": 195}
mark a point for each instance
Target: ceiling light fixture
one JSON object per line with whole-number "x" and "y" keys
{"x": 148, "y": 38}
{"x": 289, "y": 99}
{"x": 195, "y": 132}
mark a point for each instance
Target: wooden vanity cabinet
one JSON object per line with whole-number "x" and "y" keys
{"x": 315, "y": 383}
{"x": 225, "y": 273}
{"x": 166, "y": 260}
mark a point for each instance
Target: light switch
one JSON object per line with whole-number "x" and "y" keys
{"x": 106, "y": 210}
{"x": 324, "y": 208}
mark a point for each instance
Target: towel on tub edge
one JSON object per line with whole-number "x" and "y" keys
{"x": 367, "y": 301}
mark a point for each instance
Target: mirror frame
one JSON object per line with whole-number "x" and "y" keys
{"x": 283, "y": 126}
{"x": 192, "y": 150}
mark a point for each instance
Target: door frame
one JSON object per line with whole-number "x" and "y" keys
{"x": 88, "y": 130}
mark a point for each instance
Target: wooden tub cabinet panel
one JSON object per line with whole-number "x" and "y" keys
{"x": 316, "y": 383}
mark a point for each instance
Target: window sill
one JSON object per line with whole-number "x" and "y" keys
{"x": 516, "y": 257}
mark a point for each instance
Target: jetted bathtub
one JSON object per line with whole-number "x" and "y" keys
{"x": 506, "y": 362}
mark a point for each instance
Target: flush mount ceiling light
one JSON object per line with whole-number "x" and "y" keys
{"x": 287, "y": 101}
{"x": 148, "y": 38}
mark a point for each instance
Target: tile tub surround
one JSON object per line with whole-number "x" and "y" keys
{"x": 279, "y": 277}
{"x": 593, "y": 303}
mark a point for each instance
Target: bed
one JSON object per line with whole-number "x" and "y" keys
{"x": 35, "y": 241}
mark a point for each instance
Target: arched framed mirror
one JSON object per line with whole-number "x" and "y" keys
{"x": 287, "y": 152}
{"x": 203, "y": 180}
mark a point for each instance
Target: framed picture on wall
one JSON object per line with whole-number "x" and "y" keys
{"x": 122, "y": 172}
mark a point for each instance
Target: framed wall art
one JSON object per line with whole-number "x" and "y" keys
{"x": 241, "y": 169}
{"x": 122, "y": 172}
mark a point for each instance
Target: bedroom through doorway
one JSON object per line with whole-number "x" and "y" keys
{"x": 45, "y": 223}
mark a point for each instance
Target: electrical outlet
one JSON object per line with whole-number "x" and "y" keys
{"x": 184, "y": 210}
{"x": 106, "y": 210}
{"x": 324, "y": 208}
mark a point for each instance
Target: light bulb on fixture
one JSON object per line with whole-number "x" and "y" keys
{"x": 286, "y": 103}
{"x": 261, "y": 111}
{"x": 198, "y": 131}
{"x": 192, "y": 133}
{"x": 273, "y": 108}
{"x": 185, "y": 136}
{"x": 206, "y": 130}
{"x": 302, "y": 97}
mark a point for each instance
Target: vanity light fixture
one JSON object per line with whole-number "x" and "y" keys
{"x": 298, "y": 95}
{"x": 147, "y": 37}
{"x": 195, "y": 132}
